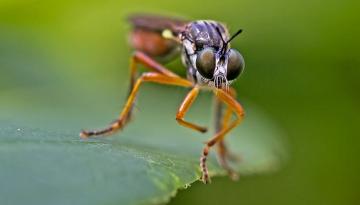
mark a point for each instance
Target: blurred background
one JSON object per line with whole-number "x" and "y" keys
{"x": 302, "y": 69}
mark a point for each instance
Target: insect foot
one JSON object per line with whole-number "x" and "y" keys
{"x": 118, "y": 124}
{"x": 204, "y": 170}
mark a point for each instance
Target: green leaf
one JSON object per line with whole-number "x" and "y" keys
{"x": 43, "y": 161}
{"x": 65, "y": 74}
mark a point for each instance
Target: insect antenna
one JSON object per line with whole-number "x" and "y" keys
{"x": 223, "y": 49}
{"x": 234, "y": 35}
{"x": 220, "y": 80}
{"x": 219, "y": 32}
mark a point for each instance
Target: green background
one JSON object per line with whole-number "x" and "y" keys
{"x": 302, "y": 69}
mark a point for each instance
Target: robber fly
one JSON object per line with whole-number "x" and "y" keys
{"x": 210, "y": 63}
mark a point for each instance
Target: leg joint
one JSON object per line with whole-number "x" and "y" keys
{"x": 179, "y": 117}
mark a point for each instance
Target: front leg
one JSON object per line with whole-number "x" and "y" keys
{"x": 185, "y": 105}
{"x": 236, "y": 108}
{"x": 222, "y": 119}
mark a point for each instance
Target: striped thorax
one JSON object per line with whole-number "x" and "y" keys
{"x": 207, "y": 54}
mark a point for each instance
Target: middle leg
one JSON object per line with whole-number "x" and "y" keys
{"x": 141, "y": 58}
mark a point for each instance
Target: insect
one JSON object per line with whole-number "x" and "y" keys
{"x": 205, "y": 51}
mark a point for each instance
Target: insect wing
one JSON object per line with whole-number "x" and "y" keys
{"x": 158, "y": 23}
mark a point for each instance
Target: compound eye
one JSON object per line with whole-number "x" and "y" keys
{"x": 205, "y": 62}
{"x": 235, "y": 64}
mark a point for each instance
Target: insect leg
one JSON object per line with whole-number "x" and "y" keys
{"x": 236, "y": 108}
{"x": 145, "y": 77}
{"x": 225, "y": 122}
{"x": 222, "y": 119}
{"x": 184, "y": 107}
{"x": 149, "y": 63}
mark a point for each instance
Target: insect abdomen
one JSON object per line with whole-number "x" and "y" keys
{"x": 151, "y": 43}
